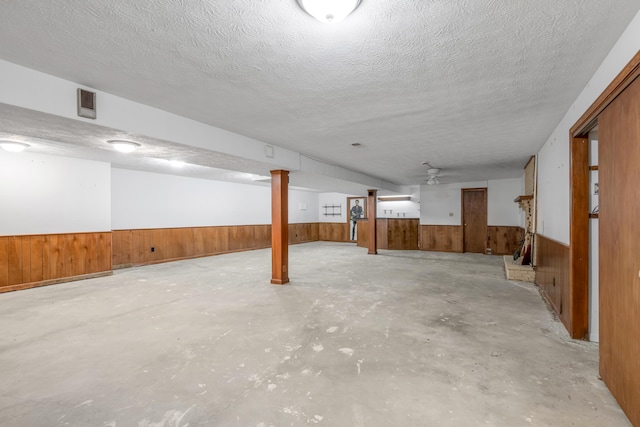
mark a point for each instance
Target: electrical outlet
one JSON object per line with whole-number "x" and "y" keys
{"x": 450, "y": 213}
{"x": 153, "y": 248}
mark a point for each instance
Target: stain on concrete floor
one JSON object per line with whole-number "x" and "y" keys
{"x": 404, "y": 338}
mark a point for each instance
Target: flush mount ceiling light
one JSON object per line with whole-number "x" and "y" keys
{"x": 12, "y": 146}
{"x": 124, "y": 146}
{"x": 329, "y": 11}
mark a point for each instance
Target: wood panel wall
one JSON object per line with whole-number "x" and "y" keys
{"x": 134, "y": 247}
{"x": 382, "y": 231}
{"x": 441, "y": 238}
{"x": 392, "y": 233}
{"x": 403, "y": 233}
{"x": 503, "y": 240}
{"x": 38, "y": 260}
{"x": 552, "y": 275}
{"x": 334, "y": 232}
{"x": 302, "y": 233}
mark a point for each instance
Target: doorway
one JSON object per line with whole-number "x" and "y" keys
{"x": 615, "y": 113}
{"x": 474, "y": 220}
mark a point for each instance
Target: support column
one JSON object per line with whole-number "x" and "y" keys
{"x": 372, "y": 221}
{"x": 279, "y": 227}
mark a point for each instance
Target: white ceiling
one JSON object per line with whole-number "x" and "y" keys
{"x": 473, "y": 87}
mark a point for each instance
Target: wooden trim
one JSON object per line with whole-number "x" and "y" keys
{"x": 56, "y": 234}
{"x": 523, "y": 198}
{"x": 593, "y": 215}
{"x": 593, "y": 168}
{"x": 372, "y": 222}
{"x": 590, "y": 117}
{"x": 31, "y": 285}
{"x": 279, "y": 227}
{"x": 579, "y": 238}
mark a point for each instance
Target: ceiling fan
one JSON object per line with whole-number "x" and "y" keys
{"x": 432, "y": 174}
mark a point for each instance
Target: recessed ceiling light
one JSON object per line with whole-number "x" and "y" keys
{"x": 329, "y": 11}
{"x": 12, "y": 146}
{"x": 124, "y": 146}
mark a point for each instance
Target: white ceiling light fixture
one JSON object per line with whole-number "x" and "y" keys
{"x": 329, "y": 11}
{"x": 432, "y": 174}
{"x": 398, "y": 198}
{"x": 177, "y": 163}
{"x": 13, "y": 146}
{"x": 124, "y": 146}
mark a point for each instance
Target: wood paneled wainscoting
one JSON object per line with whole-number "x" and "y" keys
{"x": 305, "y": 232}
{"x": 38, "y": 260}
{"x": 392, "y": 233}
{"x": 501, "y": 239}
{"x": 441, "y": 238}
{"x": 552, "y": 275}
{"x": 154, "y": 245}
{"x": 334, "y": 232}
{"x": 504, "y": 240}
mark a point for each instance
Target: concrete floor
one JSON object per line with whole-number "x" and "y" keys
{"x": 405, "y": 338}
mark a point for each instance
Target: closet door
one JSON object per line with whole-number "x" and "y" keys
{"x": 619, "y": 229}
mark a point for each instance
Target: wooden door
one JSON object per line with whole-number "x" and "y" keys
{"x": 474, "y": 219}
{"x": 619, "y": 250}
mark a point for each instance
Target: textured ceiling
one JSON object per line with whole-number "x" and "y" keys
{"x": 475, "y": 88}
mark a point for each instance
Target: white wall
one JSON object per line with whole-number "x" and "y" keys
{"x": 501, "y": 208}
{"x": 594, "y": 306}
{"x": 42, "y": 194}
{"x": 553, "y": 158}
{"x": 333, "y": 199}
{"x": 442, "y": 204}
{"x": 303, "y": 207}
{"x": 400, "y": 209}
{"x": 151, "y": 200}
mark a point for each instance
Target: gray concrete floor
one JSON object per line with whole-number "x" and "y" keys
{"x": 404, "y": 338}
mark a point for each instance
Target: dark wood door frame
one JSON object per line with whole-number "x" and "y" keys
{"x": 579, "y": 196}
{"x": 462, "y": 219}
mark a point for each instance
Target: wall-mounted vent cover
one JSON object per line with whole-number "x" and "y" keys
{"x": 86, "y": 104}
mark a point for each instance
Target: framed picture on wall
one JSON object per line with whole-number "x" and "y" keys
{"x": 357, "y": 210}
